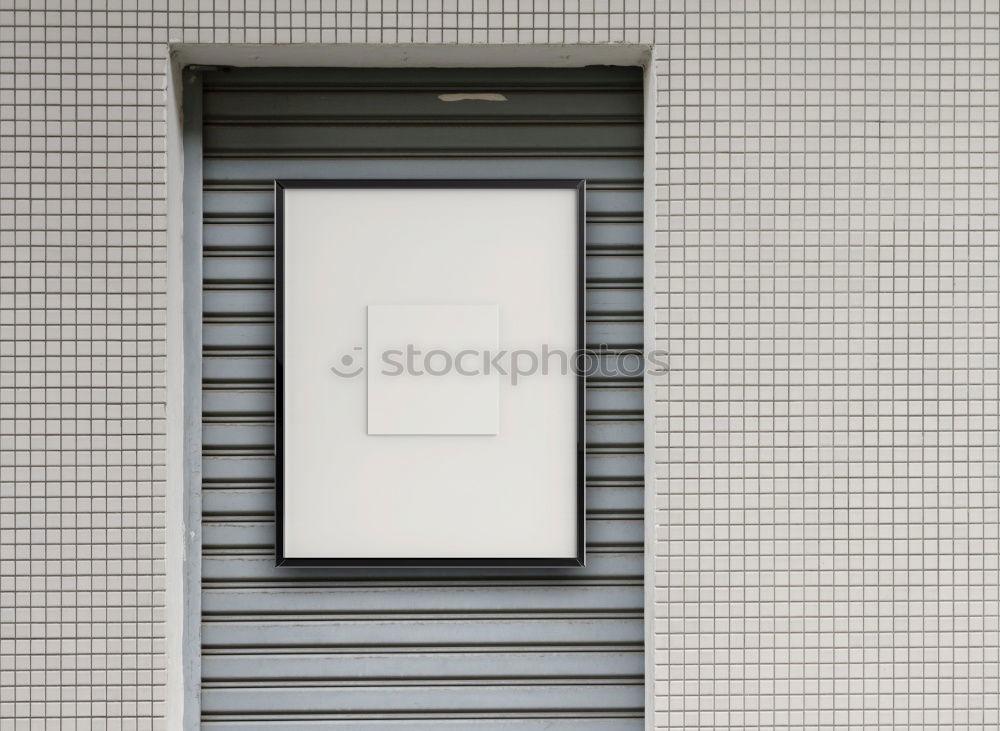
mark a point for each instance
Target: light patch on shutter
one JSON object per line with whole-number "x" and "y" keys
{"x": 472, "y": 97}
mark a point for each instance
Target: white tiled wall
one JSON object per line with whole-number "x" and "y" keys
{"x": 829, "y": 289}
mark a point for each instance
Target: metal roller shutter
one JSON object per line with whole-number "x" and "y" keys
{"x": 415, "y": 648}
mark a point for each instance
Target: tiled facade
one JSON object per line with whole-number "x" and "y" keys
{"x": 828, "y": 286}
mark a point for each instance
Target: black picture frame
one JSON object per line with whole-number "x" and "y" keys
{"x": 280, "y": 186}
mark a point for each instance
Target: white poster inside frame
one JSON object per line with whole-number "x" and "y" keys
{"x": 428, "y": 405}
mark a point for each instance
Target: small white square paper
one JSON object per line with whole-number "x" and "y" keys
{"x": 428, "y": 369}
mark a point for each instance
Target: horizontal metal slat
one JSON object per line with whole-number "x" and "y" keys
{"x": 218, "y": 302}
{"x": 259, "y": 500}
{"x": 222, "y": 566}
{"x": 216, "y": 171}
{"x": 621, "y": 721}
{"x": 230, "y": 370}
{"x": 260, "y": 202}
{"x": 419, "y": 598}
{"x": 236, "y": 402}
{"x": 241, "y": 469}
{"x": 256, "y": 238}
{"x": 437, "y": 632}
{"x": 417, "y": 666}
{"x": 612, "y": 268}
{"x": 604, "y": 138}
{"x": 603, "y": 268}
{"x": 626, "y": 398}
{"x": 260, "y": 533}
{"x": 422, "y": 698}
{"x": 260, "y": 335}
{"x": 222, "y": 400}
{"x": 231, "y": 435}
{"x": 403, "y": 79}
{"x": 336, "y": 105}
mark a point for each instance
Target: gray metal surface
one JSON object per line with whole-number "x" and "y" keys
{"x": 415, "y": 648}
